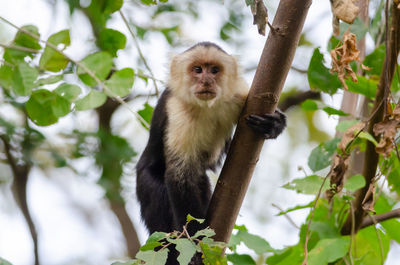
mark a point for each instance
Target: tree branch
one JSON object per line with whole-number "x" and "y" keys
{"x": 371, "y": 157}
{"x": 263, "y": 97}
{"x": 367, "y": 221}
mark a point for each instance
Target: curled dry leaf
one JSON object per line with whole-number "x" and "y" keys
{"x": 349, "y": 135}
{"x": 260, "y": 15}
{"x": 336, "y": 175}
{"x": 387, "y": 129}
{"x": 344, "y": 10}
{"x": 343, "y": 55}
{"x": 369, "y": 199}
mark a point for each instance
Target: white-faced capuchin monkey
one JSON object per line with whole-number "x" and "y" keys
{"x": 191, "y": 128}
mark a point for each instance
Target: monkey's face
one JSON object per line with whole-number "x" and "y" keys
{"x": 205, "y": 80}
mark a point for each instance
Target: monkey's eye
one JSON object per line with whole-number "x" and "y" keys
{"x": 214, "y": 69}
{"x": 198, "y": 69}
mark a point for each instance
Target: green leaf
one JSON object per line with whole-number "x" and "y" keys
{"x": 325, "y": 229}
{"x": 149, "y": 2}
{"x": 6, "y": 76}
{"x": 208, "y": 232}
{"x": 45, "y": 107}
{"x": 153, "y": 241}
{"x": 363, "y": 86}
{"x": 375, "y": 60}
{"x": 24, "y": 78}
{"x": 392, "y": 228}
{"x": 51, "y": 60}
{"x": 24, "y": 40}
{"x": 120, "y": 83}
{"x": 328, "y": 250}
{"x": 319, "y": 159}
{"x": 319, "y": 77}
{"x": 297, "y": 207}
{"x": 213, "y": 254}
{"x": 92, "y": 100}
{"x": 49, "y": 80}
{"x": 99, "y": 63}
{"x": 238, "y": 259}
{"x": 111, "y": 40}
{"x": 68, "y": 91}
{"x": 186, "y": 250}
{"x": 332, "y": 111}
{"x": 394, "y": 176}
{"x": 112, "y": 5}
{"x": 290, "y": 256}
{"x": 309, "y": 105}
{"x": 308, "y": 185}
{"x": 146, "y": 113}
{"x": 368, "y": 137}
{"x": 354, "y": 183}
{"x": 153, "y": 257}
{"x": 254, "y": 242}
{"x": 358, "y": 28}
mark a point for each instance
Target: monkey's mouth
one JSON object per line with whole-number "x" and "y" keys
{"x": 205, "y": 94}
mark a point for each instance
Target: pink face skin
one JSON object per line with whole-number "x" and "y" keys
{"x": 205, "y": 76}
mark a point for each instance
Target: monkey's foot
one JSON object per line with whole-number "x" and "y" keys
{"x": 269, "y": 126}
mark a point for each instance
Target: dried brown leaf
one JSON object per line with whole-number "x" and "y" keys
{"x": 336, "y": 175}
{"x": 387, "y": 130}
{"x": 349, "y": 136}
{"x": 260, "y": 16}
{"x": 344, "y": 10}
{"x": 369, "y": 199}
{"x": 343, "y": 55}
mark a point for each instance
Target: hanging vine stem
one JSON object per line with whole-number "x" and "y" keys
{"x": 79, "y": 64}
{"x": 139, "y": 51}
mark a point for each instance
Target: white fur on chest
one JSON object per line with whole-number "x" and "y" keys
{"x": 193, "y": 131}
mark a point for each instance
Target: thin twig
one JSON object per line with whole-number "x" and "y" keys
{"x": 79, "y": 64}
{"x": 19, "y": 48}
{"x": 139, "y": 50}
{"x": 286, "y": 215}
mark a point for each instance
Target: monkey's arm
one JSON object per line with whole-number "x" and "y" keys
{"x": 269, "y": 126}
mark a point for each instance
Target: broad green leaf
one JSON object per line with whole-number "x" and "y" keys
{"x": 392, "y": 228}
{"x": 99, "y": 64}
{"x": 324, "y": 229}
{"x": 328, "y": 250}
{"x": 213, "y": 254}
{"x": 254, "y": 242}
{"x": 68, "y": 91}
{"x": 363, "y": 86}
{"x": 368, "y": 246}
{"x": 120, "y": 83}
{"x": 51, "y": 60}
{"x": 368, "y": 137}
{"x": 333, "y": 111}
{"x": 186, "y": 250}
{"x": 309, "y": 105}
{"x": 146, "y": 113}
{"x": 190, "y": 218}
{"x": 234, "y": 241}
{"x": 153, "y": 241}
{"x": 45, "y": 107}
{"x": 92, "y": 100}
{"x": 153, "y": 257}
{"x": 240, "y": 259}
{"x": 111, "y": 40}
{"x": 23, "y": 40}
{"x": 319, "y": 159}
{"x": 208, "y": 232}
{"x": 375, "y": 60}
{"x": 354, "y": 183}
{"x": 6, "y": 76}
{"x": 319, "y": 77}
{"x": 49, "y": 80}
{"x": 394, "y": 177}
{"x": 112, "y": 5}
{"x": 290, "y": 256}
{"x": 308, "y": 185}
{"x": 24, "y": 77}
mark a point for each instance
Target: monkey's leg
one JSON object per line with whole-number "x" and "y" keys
{"x": 188, "y": 194}
{"x": 154, "y": 203}
{"x": 269, "y": 126}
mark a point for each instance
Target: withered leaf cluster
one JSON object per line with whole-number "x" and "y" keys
{"x": 344, "y": 10}
{"x": 260, "y": 15}
{"x": 343, "y": 55}
{"x": 387, "y": 129}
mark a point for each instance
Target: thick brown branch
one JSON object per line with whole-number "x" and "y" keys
{"x": 263, "y": 97}
{"x": 297, "y": 99}
{"x": 367, "y": 221}
{"x": 371, "y": 157}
